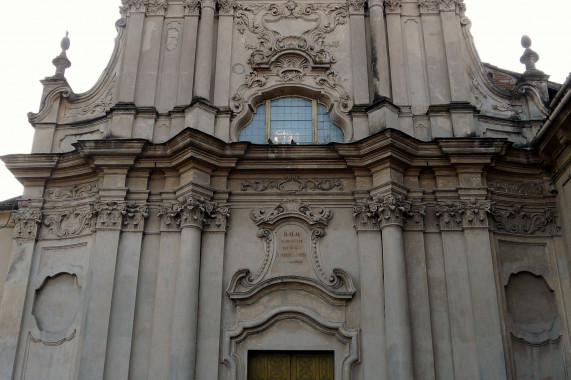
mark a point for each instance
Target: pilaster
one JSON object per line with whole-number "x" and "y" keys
{"x": 188, "y": 52}
{"x": 359, "y": 52}
{"x": 380, "y": 57}
{"x": 396, "y": 52}
{"x": 203, "y": 70}
{"x": 27, "y": 221}
{"x": 224, "y": 53}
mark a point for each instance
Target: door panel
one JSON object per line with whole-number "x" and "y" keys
{"x": 281, "y": 365}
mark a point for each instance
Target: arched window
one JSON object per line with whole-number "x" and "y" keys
{"x": 282, "y": 120}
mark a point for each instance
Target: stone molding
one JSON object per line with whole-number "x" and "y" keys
{"x": 26, "y": 222}
{"x": 518, "y": 220}
{"x": 393, "y": 6}
{"x": 194, "y": 212}
{"x": 300, "y": 184}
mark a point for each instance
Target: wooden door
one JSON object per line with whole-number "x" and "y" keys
{"x": 286, "y": 365}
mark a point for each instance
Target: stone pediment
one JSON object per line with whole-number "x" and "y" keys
{"x": 290, "y": 233}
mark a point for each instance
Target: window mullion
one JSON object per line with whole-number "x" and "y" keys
{"x": 268, "y": 120}
{"x": 314, "y": 120}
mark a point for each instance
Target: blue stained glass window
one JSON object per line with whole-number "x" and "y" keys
{"x": 290, "y": 119}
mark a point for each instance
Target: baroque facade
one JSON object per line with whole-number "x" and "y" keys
{"x": 295, "y": 189}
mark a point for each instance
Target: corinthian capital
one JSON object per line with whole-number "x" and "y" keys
{"x": 133, "y": 6}
{"x": 134, "y": 218}
{"x": 393, "y": 6}
{"x": 26, "y": 223}
{"x": 191, "y": 7}
{"x": 194, "y": 211}
{"x": 157, "y": 7}
{"x": 109, "y": 214}
{"x": 356, "y": 6}
{"x": 218, "y": 218}
{"x": 226, "y": 6}
{"x": 429, "y": 6}
{"x": 452, "y": 5}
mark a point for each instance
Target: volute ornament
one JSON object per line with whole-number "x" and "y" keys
{"x": 109, "y": 214}
{"x": 517, "y": 220}
{"x": 69, "y": 223}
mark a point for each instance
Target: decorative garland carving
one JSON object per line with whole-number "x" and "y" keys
{"x": 53, "y": 344}
{"x": 26, "y": 223}
{"x": 516, "y": 220}
{"x": 298, "y": 184}
{"x": 71, "y": 192}
{"x": 519, "y": 188}
{"x": 69, "y": 223}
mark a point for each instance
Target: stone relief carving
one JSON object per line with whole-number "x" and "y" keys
{"x": 292, "y": 184}
{"x": 263, "y": 21}
{"x": 96, "y": 108}
{"x": 151, "y": 7}
{"x": 26, "y": 223}
{"x": 390, "y": 209}
{"x": 69, "y": 223}
{"x": 290, "y": 233}
{"x": 519, "y": 188}
{"x": 71, "y": 192}
{"x": 173, "y": 34}
{"x": 134, "y": 217}
{"x": 516, "y": 220}
{"x": 53, "y": 344}
{"x": 503, "y": 107}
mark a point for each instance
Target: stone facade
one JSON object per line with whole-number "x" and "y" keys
{"x": 152, "y": 243}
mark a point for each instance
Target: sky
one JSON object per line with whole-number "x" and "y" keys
{"x": 30, "y": 38}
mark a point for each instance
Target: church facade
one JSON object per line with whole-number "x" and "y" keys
{"x": 287, "y": 190}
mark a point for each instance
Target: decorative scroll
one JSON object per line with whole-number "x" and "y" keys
{"x": 519, "y": 188}
{"x": 71, "y": 192}
{"x": 292, "y": 184}
{"x": 69, "y": 223}
{"x": 96, "y": 108}
{"x": 292, "y": 208}
{"x": 516, "y": 220}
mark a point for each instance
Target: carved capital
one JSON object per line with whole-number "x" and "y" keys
{"x": 133, "y": 6}
{"x": 476, "y": 213}
{"x": 194, "y": 211}
{"x": 365, "y": 218}
{"x": 356, "y": 6}
{"x": 134, "y": 218}
{"x": 170, "y": 217}
{"x": 429, "y": 6}
{"x": 517, "y": 220}
{"x": 452, "y": 5}
{"x": 415, "y": 218}
{"x": 391, "y": 209}
{"x": 375, "y": 3}
{"x": 109, "y": 215}
{"x": 226, "y": 7}
{"x": 208, "y": 4}
{"x": 26, "y": 223}
{"x": 393, "y": 6}
{"x": 450, "y": 215}
{"x": 218, "y": 218}
{"x": 457, "y": 215}
{"x": 191, "y": 7}
{"x": 157, "y": 7}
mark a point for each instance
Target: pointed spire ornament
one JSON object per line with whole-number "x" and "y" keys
{"x": 61, "y": 62}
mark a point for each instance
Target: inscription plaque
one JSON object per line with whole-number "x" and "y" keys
{"x": 292, "y": 251}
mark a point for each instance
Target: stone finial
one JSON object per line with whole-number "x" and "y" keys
{"x": 529, "y": 57}
{"x": 61, "y": 62}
